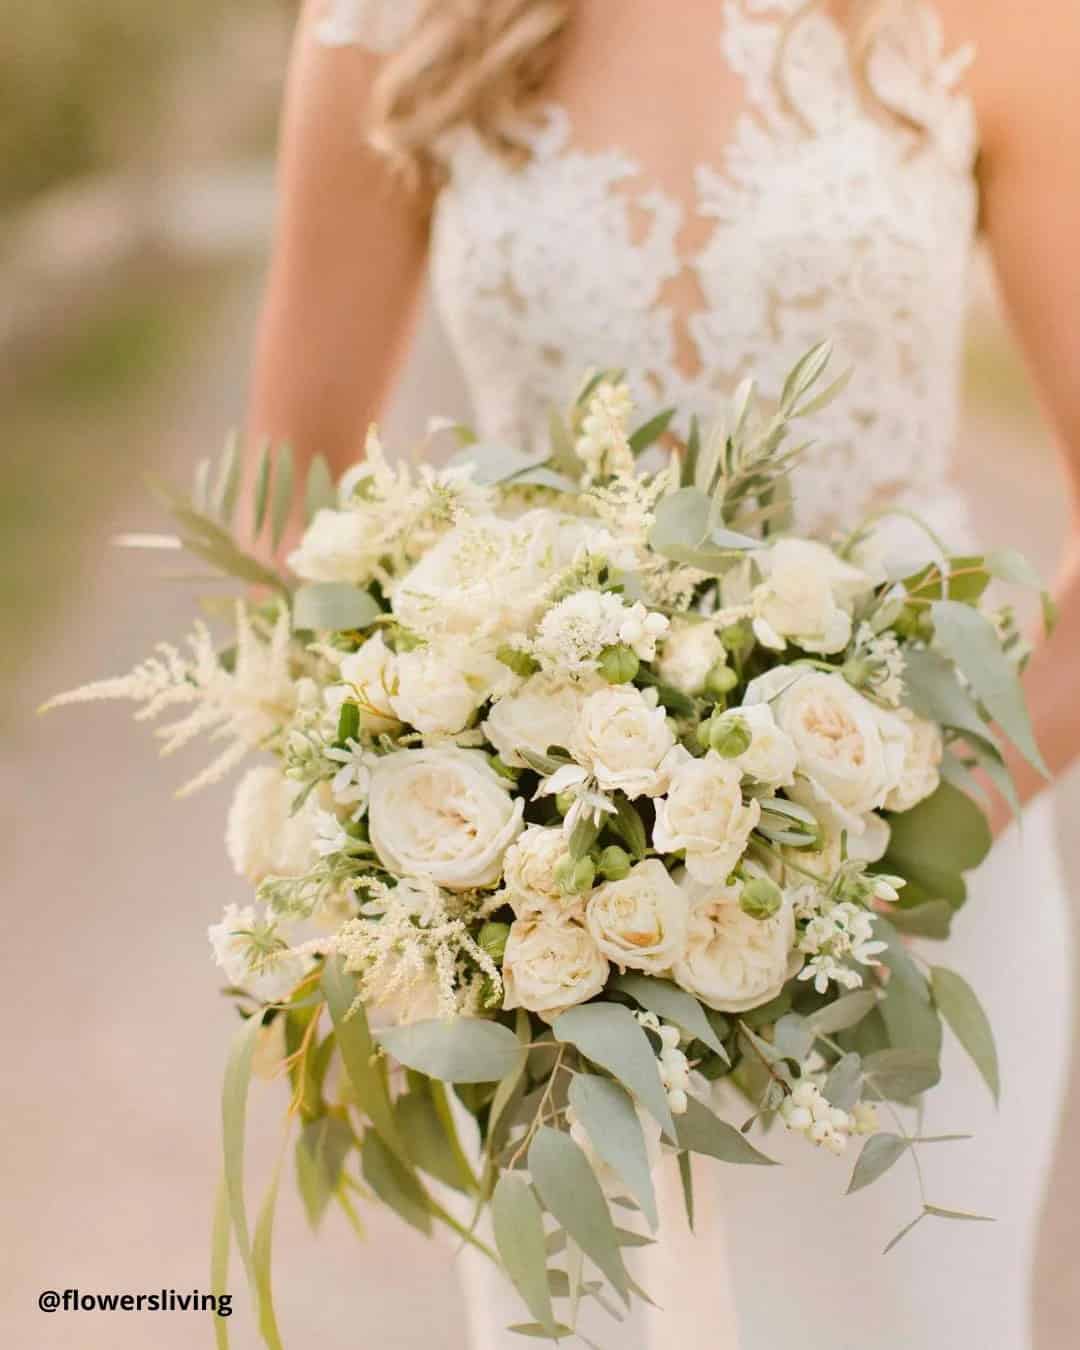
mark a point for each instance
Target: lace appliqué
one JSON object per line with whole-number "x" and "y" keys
{"x": 378, "y": 25}
{"x": 829, "y": 219}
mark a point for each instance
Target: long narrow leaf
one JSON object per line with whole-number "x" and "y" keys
{"x": 233, "y": 1120}
{"x": 283, "y": 494}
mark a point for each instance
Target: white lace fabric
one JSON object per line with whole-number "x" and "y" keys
{"x": 826, "y": 218}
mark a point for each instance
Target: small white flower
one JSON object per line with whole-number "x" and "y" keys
{"x": 369, "y": 677}
{"x": 836, "y": 935}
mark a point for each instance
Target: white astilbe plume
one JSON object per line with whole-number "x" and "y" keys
{"x": 408, "y": 933}
{"x": 245, "y": 707}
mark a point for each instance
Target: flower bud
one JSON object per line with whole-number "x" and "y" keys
{"x": 575, "y": 877}
{"x": 760, "y": 898}
{"x": 730, "y": 735}
{"x": 737, "y": 637}
{"x": 670, "y": 1036}
{"x": 614, "y": 863}
{"x": 678, "y": 1102}
{"x": 521, "y": 663}
{"x": 619, "y": 664}
{"x": 564, "y": 801}
{"x": 493, "y": 940}
{"x": 505, "y": 770}
{"x": 721, "y": 680}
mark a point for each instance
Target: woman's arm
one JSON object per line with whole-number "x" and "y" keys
{"x": 1024, "y": 85}
{"x": 346, "y": 268}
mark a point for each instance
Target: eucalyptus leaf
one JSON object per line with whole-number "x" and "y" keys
{"x": 542, "y": 476}
{"x": 651, "y": 431}
{"x": 879, "y": 1153}
{"x": 843, "y": 1082}
{"x": 395, "y": 1184}
{"x": 233, "y": 1119}
{"x": 846, "y": 1011}
{"x": 1010, "y": 565}
{"x": 671, "y": 1003}
{"x": 680, "y": 530}
{"x": 510, "y": 1086}
{"x": 460, "y": 1050}
{"x": 319, "y": 493}
{"x": 898, "y": 1075}
{"x": 626, "y": 822}
{"x": 794, "y": 1037}
{"x": 494, "y": 463}
{"x": 519, "y": 1236}
{"x": 219, "y": 1260}
{"x": 699, "y": 1131}
{"x": 321, "y": 1151}
{"x": 686, "y": 1177}
{"x": 428, "y": 1143}
{"x": 937, "y": 841}
{"x": 226, "y": 482}
{"x": 607, "y": 1113}
{"x": 912, "y": 1021}
{"x": 960, "y": 1007}
{"x": 932, "y": 690}
{"x": 582, "y": 837}
{"x": 569, "y": 1190}
{"x": 261, "y": 1260}
{"x": 907, "y": 1228}
{"x": 609, "y": 1035}
{"x": 938, "y": 1213}
{"x": 283, "y": 495}
{"x": 262, "y": 491}
{"x": 334, "y": 606}
{"x": 931, "y": 919}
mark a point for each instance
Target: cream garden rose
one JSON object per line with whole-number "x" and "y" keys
{"x": 623, "y": 738}
{"x": 850, "y": 753}
{"x": 771, "y": 758}
{"x": 640, "y": 921}
{"x": 806, "y": 597}
{"x": 690, "y": 651}
{"x": 337, "y": 546}
{"x": 264, "y": 836}
{"x": 920, "y": 774}
{"x": 734, "y": 962}
{"x": 550, "y": 964}
{"x": 704, "y": 816}
{"x": 541, "y": 713}
{"x": 442, "y": 813}
{"x": 529, "y": 871}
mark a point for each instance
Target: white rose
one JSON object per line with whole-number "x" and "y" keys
{"x": 263, "y": 837}
{"x": 529, "y": 871}
{"x": 850, "y": 752}
{"x": 640, "y": 921}
{"x": 273, "y": 978}
{"x": 704, "y": 815}
{"x": 442, "y": 813}
{"x": 623, "y": 738}
{"x": 540, "y": 714}
{"x": 432, "y": 693}
{"x": 690, "y": 652}
{"x": 337, "y": 546}
{"x": 371, "y": 676}
{"x": 771, "y": 758}
{"x": 734, "y": 962}
{"x": 551, "y": 963}
{"x": 806, "y": 596}
{"x": 920, "y": 775}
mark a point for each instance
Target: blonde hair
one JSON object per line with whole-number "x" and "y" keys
{"x": 479, "y": 62}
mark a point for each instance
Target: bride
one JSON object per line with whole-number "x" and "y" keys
{"x": 693, "y": 191}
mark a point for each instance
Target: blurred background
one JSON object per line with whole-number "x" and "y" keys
{"x": 136, "y": 204}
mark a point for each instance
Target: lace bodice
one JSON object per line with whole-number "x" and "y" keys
{"x": 825, "y": 218}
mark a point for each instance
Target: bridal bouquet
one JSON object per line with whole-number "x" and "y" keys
{"x": 586, "y": 788}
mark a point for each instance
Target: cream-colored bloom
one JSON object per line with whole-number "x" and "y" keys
{"x": 371, "y": 676}
{"x": 623, "y": 738}
{"x": 704, "y": 815}
{"x": 574, "y": 632}
{"x": 734, "y": 962}
{"x": 433, "y": 693}
{"x": 263, "y": 836}
{"x": 640, "y": 922}
{"x": 690, "y": 652}
{"x": 442, "y": 813}
{"x": 806, "y": 597}
{"x": 265, "y": 969}
{"x": 551, "y": 963}
{"x": 771, "y": 758}
{"x": 529, "y": 871}
{"x": 920, "y": 775}
{"x": 336, "y": 546}
{"x": 541, "y": 713}
{"x": 850, "y": 752}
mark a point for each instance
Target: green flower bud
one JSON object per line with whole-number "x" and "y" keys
{"x": 704, "y": 731}
{"x": 730, "y": 735}
{"x": 493, "y": 940}
{"x": 348, "y": 723}
{"x": 564, "y": 801}
{"x": 357, "y": 829}
{"x": 521, "y": 663}
{"x": 504, "y": 770}
{"x": 737, "y": 637}
{"x": 575, "y": 877}
{"x": 856, "y": 672}
{"x": 760, "y": 898}
{"x": 614, "y": 863}
{"x": 721, "y": 680}
{"x": 619, "y": 664}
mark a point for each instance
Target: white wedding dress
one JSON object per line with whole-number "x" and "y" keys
{"x": 827, "y": 219}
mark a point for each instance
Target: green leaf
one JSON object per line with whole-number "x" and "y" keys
{"x": 233, "y": 1119}
{"x": 200, "y": 493}
{"x": 845, "y": 1012}
{"x": 262, "y": 1257}
{"x": 626, "y": 822}
{"x": 460, "y": 1050}
{"x": 680, "y": 531}
{"x": 607, "y": 1113}
{"x": 262, "y": 485}
{"x": 519, "y": 1236}
{"x": 671, "y": 1003}
{"x": 937, "y": 841}
{"x": 321, "y": 1151}
{"x": 939, "y": 1213}
{"x": 911, "y": 1020}
{"x": 428, "y": 1143}
{"x": 319, "y": 494}
{"x": 794, "y": 1037}
{"x": 878, "y": 1154}
{"x": 333, "y": 606}
{"x": 686, "y": 1177}
{"x": 569, "y": 1190}
{"x": 536, "y": 1331}
{"x": 843, "y": 1083}
{"x": 901, "y": 1074}
{"x": 227, "y": 482}
{"x": 699, "y": 1131}
{"x": 970, "y": 640}
{"x": 732, "y": 539}
{"x": 962, "y": 1010}
{"x": 651, "y": 431}
{"x": 394, "y": 1184}
{"x": 582, "y": 837}
{"x": 283, "y": 483}
{"x": 932, "y": 690}
{"x": 688, "y": 474}
{"x": 804, "y": 374}
{"x": 907, "y": 1228}
{"x": 542, "y": 476}
{"x": 219, "y": 1260}
{"x": 610, "y": 1036}
{"x": 931, "y": 919}
{"x": 508, "y": 1088}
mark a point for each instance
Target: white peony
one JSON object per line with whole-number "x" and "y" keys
{"x": 690, "y": 652}
{"x": 623, "y": 738}
{"x": 529, "y": 871}
{"x": 806, "y": 597}
{"x": 371, "y": 676}
{"x": 771, "y": 757}
{"x": 550, "y": 964}
{"x": 540, "y": 714}
{"x": 337, "y": 546}
{"x": 734, "y": 962}
{"x": 263, "y": 836}
{"x": 442, "y": 813}
{"x": 920, "y": 775}
{"x": 850, "y": 752}
{"x": 704, "y": 815}
{"x": 640, "y": 921}
{"x": 276, "y": 972}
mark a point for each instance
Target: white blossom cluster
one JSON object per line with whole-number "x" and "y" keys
{"x": 806, "y": 1111}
